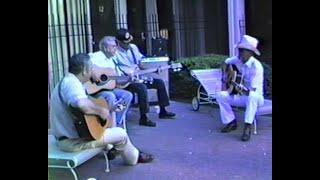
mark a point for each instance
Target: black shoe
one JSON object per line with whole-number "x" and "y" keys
{"x": 246, "y": 132}
{"x": 147, "y": 122}
{"x": 230, "y": 127}
{"x": 145, "y": 158}
{"x": 166, "y": 115}
{"x": 112, "y": 153}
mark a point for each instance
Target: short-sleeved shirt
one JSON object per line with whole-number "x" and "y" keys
{"x": 100, "y": 59}
{"x": 252, "y": 72}
{"x": 61, "y": 119}
{"x": 126, "y": 57}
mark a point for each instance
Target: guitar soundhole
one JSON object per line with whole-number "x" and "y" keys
{"x": 104, "y": 77}
{"x": 102, "y": 122}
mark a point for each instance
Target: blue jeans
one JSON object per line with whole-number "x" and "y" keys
{"x": 112, "y": 96}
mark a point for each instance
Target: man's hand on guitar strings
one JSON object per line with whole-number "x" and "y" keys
{"x": 105, "y": 115}
{"x": 120, "y": 105}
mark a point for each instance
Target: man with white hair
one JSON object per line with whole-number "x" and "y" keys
{"x": 104, "y": 59}
{"x": 252, "y": 77}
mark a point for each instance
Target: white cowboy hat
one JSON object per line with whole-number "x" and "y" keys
{"x": 250, "y": 43}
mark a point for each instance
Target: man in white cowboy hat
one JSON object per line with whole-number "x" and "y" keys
{"x": 252, "y": 77}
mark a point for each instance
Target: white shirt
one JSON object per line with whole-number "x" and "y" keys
{"x": 61, "y": 120}
{"x": 100, "y": 59}
{"x": 252, "y": 72}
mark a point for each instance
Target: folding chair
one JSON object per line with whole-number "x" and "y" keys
{"x": 265, "y": 109}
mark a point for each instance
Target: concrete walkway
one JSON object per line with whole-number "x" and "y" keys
{"x": 188, "y": 147}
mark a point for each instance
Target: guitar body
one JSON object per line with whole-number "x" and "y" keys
{"x": 105, "y": 83}
{"x": 93, "y": 88}
{"x": 96, "y": 128}
{"x": 233, "y": 75}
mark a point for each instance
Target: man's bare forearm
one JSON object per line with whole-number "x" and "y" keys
{"x": 89, "y": 108}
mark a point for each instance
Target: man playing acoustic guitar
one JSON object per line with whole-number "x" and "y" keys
{"x": 103, "y": 61}
{"x": 129, "y": 57}
{"x": 250, "y": 87}
{"x": 68, "y": 97}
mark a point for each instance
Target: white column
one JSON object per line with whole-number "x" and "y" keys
{"x": 152, "y": 22}
{"x": 236, "y": 23}
{"x": 176, "y": 29}
{"x": 120, "y": 10}
{"x": 88, "y": 26}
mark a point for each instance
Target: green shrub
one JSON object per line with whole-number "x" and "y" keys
{"x": 184, "y": 86}
{"x": 267, "y": 80}
{"x": 202, "y": 62}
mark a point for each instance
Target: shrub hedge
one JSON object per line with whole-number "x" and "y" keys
{"x": 184, "y": 86}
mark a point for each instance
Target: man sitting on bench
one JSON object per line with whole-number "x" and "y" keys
{"x": 69, "y": 100}
{"x": 129, "y": 57}
{"x": 251, "y": 85}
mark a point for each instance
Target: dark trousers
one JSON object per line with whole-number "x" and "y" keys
{"x": 141, "y": 90}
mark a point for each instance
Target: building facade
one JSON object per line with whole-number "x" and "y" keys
{"x": 189, "y": 27}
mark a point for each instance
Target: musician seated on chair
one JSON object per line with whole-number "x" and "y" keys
{"x": 102, "y": 61}
{"x": 129, "y": 57}
{"x": 69, "y": 99}
{"x": 248, "y": 91}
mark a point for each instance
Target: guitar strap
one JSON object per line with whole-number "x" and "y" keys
{"x": 134, "y": 57}
{"x": 118, "y": 66}
{"x": 242, "y": 75}
{"x": 77, "y": 116}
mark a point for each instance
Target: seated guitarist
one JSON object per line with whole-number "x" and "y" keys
{"x": 252, "y": 77}
{"x": 130, "y": 56}
{"x": 70, "y": 94}
{"x": 104, "y": 59}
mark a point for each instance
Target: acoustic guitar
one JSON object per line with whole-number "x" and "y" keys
{"x": 108, "y": 80}
{"x": 95, "y": 124}
{"x": 234, "y": 82}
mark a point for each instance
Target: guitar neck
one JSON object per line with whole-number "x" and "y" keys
{"x": 121, "y": 78}
{"x": 151, "y": 70}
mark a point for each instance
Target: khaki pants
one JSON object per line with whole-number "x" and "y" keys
{"x": 116, "y": 136}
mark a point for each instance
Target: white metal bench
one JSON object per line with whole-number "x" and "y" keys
{"x": 70, "y": 160}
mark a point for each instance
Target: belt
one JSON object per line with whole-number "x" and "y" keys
{"x": 62, "y": 138}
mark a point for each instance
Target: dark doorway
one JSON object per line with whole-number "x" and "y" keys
{"x": 165, "y": 17}
{"x": 259, "y": 24}
{"x": 136, "y": 22}
{"x": 103, "y": 20}
{"x": 216, "y": 26}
